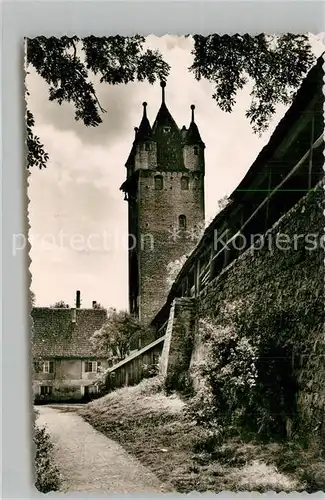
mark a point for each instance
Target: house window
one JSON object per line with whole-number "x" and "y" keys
{"x": 184, "y": 183}
{"x": 182, "y": 222}
{"x": 91, "y": 366}
{"x": 47, "y": 367}
{"x": 196, "y": 150}
{"x": 46, "y": 390}
{"x": 158, "y": 182}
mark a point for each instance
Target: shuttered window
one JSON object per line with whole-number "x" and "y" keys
{"x": 92, "y": 366}
{"x": 48, "y": 367}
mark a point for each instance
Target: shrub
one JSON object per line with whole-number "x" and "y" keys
{"x": 150, "y": 370}
{"x": 249, "y": 374}
{"x": 47, "y": 474}
{"x": 228, "y": 374}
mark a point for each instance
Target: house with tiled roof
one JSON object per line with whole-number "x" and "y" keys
{"x": 65, "y": 365}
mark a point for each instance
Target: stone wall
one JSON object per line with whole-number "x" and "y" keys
{"x": 289, "y": 281}
{"x": 158, "y": 218}
{"x": 178, "y": 346}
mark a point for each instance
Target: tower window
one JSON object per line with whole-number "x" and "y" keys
{"x": 166, "y": 130}
{"x": 196, "y": 150}
{"x": 158, "y": 182}
{"x": 182, "y": 222}
{"x": 184, "y": 183}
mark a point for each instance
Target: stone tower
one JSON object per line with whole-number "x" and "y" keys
{"x": 165, "y": 193}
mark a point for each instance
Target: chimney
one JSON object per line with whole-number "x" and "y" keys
{"x": 78, "y": 299}
{"x": 94, "y": 304}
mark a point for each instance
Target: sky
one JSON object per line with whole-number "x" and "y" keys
{"x": 77, "y": 215}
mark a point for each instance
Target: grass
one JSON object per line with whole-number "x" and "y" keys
{"x": 153, "y": 427}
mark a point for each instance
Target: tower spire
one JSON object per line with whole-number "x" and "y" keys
{"x": 192, "y": 109}
{"x": 144, "y": 131}
{"x": 193, "y": 135}
{"x": 163, "y": 86}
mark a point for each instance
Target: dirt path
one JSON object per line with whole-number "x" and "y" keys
{"x": 89, "y": 461}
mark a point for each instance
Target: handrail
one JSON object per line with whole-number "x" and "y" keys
{"x": 315, "y": 145}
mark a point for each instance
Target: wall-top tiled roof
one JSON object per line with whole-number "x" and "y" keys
{"x": 55, "y": 335}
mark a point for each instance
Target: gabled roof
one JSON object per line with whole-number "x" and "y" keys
{"x": 55, "y": 334}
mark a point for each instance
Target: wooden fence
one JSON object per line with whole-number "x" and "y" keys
{"x": 131, "y": 370}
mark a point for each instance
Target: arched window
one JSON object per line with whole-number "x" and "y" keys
{"x": 196, "y": 150}
{"x": 182, "y": 222}
{"x": 147, "y": 146}
{"x": 184, "y": 183}
{"x": 158, "y": 182}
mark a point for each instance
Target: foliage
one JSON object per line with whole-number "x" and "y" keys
{"x": 274, "y": 384}
{"x": 60, "y": 305}
{"x": 36, "y": 155}
{"x": 97, "y": 305}
{"x": 173, "y": 269}
{"x": 275, "y": 65}
{"x": 32, "y": 298}
{"x": 250, "y": 373}
{"x": 47, "y": 474}
{"x": 223, "y": 202}
{"x": 121, "y": 333}
{"x": 154, "y": 429}
{"x": 66, "y": 64}
{"x": 228, "y": 376}
{"x": 150, "y": 370}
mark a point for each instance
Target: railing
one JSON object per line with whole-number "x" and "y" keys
{"x": 131, "y": 370}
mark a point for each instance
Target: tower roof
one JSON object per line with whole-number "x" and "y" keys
{"x": 193, "y": 135}
{"x": 168, "y": 138}
{"x": 144, "y": 131}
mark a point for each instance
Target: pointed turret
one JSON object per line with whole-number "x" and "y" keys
{"x": 193, "y": 135}
{"x": 141, "y": 134}
{"x": 144, "y": 131}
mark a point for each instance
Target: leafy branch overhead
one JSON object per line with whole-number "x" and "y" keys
{"x": 67, "y": 63}
{"x": 275, "y": 65}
